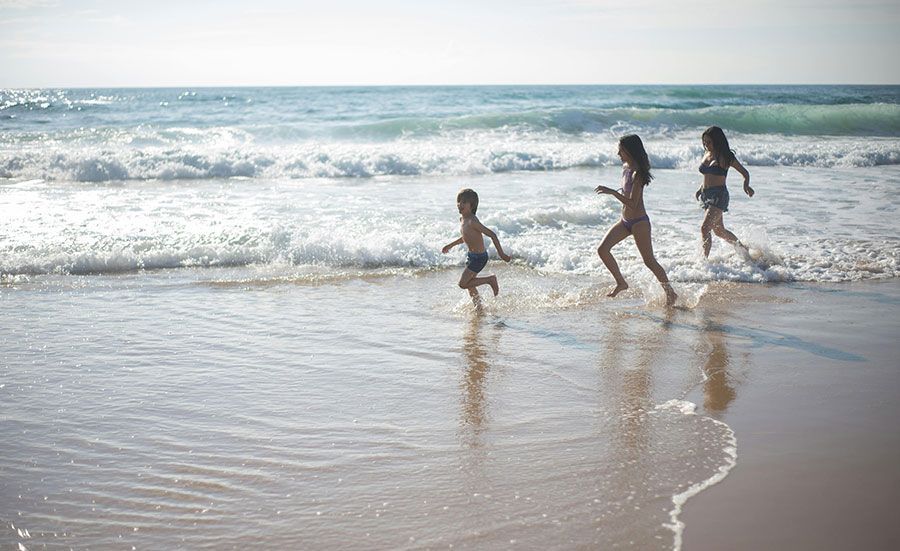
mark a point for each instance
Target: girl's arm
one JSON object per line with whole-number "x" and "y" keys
{"x": 632, "y": 200}
{"x": 699, "y": 191}
{"x": 493, "y": 236}
{"x": 449, "y": 246}
{"x": 746, "y": 174}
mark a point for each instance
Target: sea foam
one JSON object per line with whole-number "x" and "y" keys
{"x": 472, "y": 155}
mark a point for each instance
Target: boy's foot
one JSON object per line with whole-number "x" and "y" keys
{"x": 619, "y": 288}
{"x": 492, "y": 281}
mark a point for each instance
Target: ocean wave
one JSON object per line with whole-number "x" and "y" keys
{"x": 134, "y": 257}
{"x": 548, "y": 242}
{"x": 360, "y": 115}
{"x": 877, "y": 119}
{"x": 479, "y": 154}
{"x": 881, "y": 119}
{"x": 314, "y": 161}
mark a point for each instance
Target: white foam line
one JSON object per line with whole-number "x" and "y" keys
{"x": 679, "y": 499}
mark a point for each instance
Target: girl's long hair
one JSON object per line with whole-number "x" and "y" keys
{"x": 635, "y": 147}
{"x": 720, "y": 149}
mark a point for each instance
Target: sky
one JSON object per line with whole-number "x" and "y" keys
{"x": 101, "y": 43}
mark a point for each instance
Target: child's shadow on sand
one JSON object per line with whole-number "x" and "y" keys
{"x": 762, "y": 337}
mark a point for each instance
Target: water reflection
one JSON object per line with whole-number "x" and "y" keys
{"x": 630, "y": 351}
{"x": 718, "y": 391}
{"x": 474, "y": 404}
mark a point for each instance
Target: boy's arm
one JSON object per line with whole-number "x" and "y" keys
{"x": 449, "y": 246}
{"x": 493, "y": 236}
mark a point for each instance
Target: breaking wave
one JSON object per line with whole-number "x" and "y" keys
{"x": 474, "y": 155}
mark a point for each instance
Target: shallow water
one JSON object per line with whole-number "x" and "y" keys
{"x": 798, "y": 227}
{"x": 171, "y": 410}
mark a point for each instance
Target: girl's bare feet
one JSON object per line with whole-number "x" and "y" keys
{"x": 492, "y": 281}
{"x": 670, "y": 294}
{"x": 619, "y": 288}
{"x": 742, "y": 250}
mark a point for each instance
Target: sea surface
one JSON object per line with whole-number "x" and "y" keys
{"x": 98, "y": 181}
{"x": 228, "y": 322}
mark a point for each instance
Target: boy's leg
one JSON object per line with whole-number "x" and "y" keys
{"x": 492, "y": 281}
{"x": 487, "y": 280}
{"x": 465, "y": 282}
{"x": 468, "y": 280}
{"x": 476, "y": 298}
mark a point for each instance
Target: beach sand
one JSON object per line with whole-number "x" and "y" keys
{"x": 815, "y": 413}
{"x": 218, "y": 408}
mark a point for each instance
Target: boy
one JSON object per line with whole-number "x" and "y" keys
{"x": 472, "y": 235}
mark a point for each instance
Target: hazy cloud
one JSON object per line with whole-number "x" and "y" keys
{"x": 27, "y": 4}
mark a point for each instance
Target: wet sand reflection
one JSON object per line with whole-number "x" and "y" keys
{"x": 718, "y": 391}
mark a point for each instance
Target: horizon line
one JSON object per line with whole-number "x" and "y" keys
{"x": 457, "y": 85}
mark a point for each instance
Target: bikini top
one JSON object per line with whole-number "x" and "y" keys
{"x": 627, "y": 181}
{"x": 706, "y": 168}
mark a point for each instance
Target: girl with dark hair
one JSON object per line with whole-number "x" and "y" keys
{"x": 718, "y": 159}
{"x": 635, "y": 222}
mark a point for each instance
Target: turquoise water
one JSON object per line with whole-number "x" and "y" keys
{"x": 345, "y": 179}
{"x": 843, "y": 110}
{"x": 122, "y": 134}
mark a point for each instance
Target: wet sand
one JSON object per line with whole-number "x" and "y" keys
{"x": 227, "y": 408}
{"x": 815, "y": 414}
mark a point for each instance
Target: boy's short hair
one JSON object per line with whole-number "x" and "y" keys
{"x": 468, "y": 196}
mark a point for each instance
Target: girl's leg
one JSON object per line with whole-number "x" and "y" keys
{"x": 613, "y": 236}
{"x": 641, "y": 233}
{"x": 719, "y": 229}
{"x": 712, "y": 216}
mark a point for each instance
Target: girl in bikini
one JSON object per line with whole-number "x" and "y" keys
{"x": 718, "y": 159}
{"x": 635, "y": 222}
